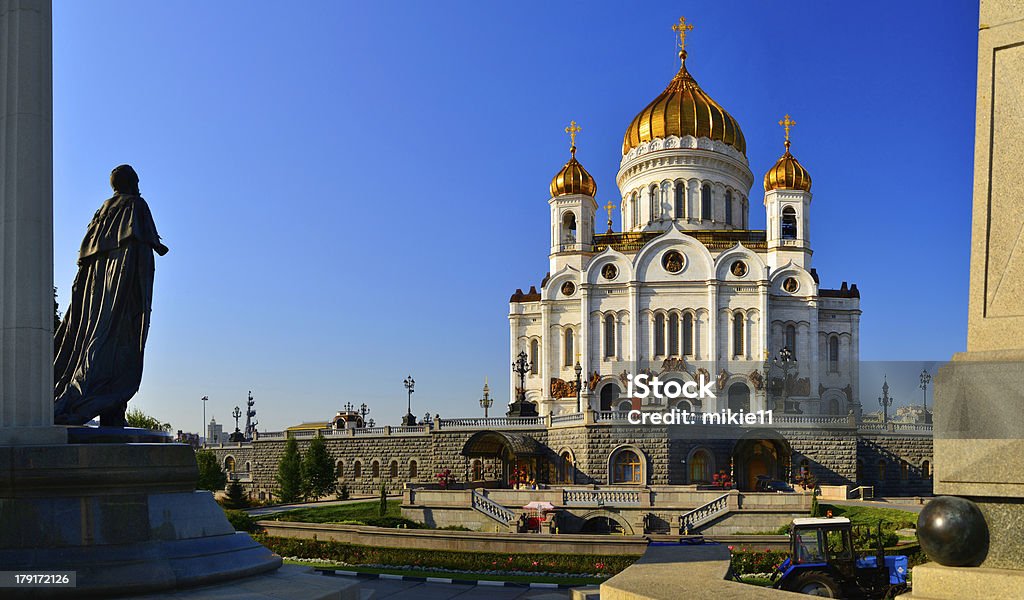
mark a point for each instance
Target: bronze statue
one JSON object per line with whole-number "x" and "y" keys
{"x": 100, "y": 341}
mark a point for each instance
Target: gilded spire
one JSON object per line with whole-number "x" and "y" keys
{"x": 681, "y": 28}
{"x": 786, "y": 123}
{"x": 572, "y": 130}
{"x": 609, "y": 207}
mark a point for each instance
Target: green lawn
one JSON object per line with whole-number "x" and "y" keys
{"x": 357, "y": 512}
{"x": 539, "y": 578}
{"x": 891, "y": 518}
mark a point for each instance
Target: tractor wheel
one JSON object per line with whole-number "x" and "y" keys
{"x": 817, "y": 584}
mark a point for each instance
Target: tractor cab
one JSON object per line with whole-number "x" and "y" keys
{"x": 824, "y": 561}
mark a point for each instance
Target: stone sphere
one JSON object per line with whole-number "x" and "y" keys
{"x": 953, "y": 532}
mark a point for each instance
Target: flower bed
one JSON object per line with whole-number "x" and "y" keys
{"x": 590, "y": 565}
{"x": 749, "y": 561}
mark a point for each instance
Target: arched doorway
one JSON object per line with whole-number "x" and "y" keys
{"x": 520, "y": 458}
{"x": 766, "y": 454}
{"x": 609, "y": 396}
{"x": 739, "y": 397}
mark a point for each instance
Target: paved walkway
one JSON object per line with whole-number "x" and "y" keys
{"x": 396, "y": 590}
{"x": 908, "y": 506}
{"x": 270, "y": 510}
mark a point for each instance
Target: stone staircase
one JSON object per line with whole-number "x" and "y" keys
{"x": 492, "y": 509}
{"x": 692, "y": 521}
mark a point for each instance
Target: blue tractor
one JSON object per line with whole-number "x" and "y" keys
{"x": 823, "y": 562}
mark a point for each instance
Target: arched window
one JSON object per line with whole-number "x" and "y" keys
{"x": 655, "y": 204}
{"x": 339, "y": 469}
{"x": 728, "y": 207}
{"x": 680, "y": 200}
{"x": 673, "y": 335}
{"x": 659, "y": 335}
{"x": 926, "y": 470}
{"x": 700, "y": 467}
{"x": 569, "y": 347}
{"x": 609, "y": 336}
{"x": 739, "y": 397}
{"x": 375, "y": 469}
{"x": 881, "y": 469}
{"x": 534, "y": 357}
{"x": 684, "y": 404}
{"x": 413, "y": 469}
{"x": 357, "y": 469}
{"x": 478, "y": 470}
{"x": 904, "y": 470}
{"x": 737, "y": 334}
{"x": 248, "y": 467}
{"x": 393, "y": 469}
{"x": 229, "y": 464}
{"x": 625, "y": 406}
{"x": 626, "y": 467}
{"x": 705, "y": 202}
{"x": 687, "y": 334}
{"x": 569, "y": 228}
{"x": 788, "y": 223}
{"x": 636, "y": 210}
{"x": 833, "y": 406}
{"x": 833, "y": 354}
{"x": 791, "y": 339}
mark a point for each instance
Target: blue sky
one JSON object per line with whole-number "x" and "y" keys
{"x": 351, "y": 191}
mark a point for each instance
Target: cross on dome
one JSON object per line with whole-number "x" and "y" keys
{"x": 572, "y": 130}
{"x": 682, "y": 27}
{"x": 786, "y": 123}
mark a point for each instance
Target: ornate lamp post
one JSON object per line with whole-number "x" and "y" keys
{"x": 250, "y": 421}
{"x": 237, "y": 436}
{"x": 926, "y": 378}
{"x": 781, "y": 386}
{"x": 579, "y": 389}
{"x": 486, "y": 402}
{"x": 206, "y": 428}
{"x": 521, "y": 408}
{"x": 410, "y": 386}
{"x": 885, "y": 401}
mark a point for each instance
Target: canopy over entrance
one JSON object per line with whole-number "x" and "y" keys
{"x": 502, "y": 444}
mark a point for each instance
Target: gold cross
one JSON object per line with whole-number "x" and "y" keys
{"x": 786, "y": 123}
{"x": 609, "y": 207}
{"x": 682, "y": 28}
{"x": 572, "y": 130}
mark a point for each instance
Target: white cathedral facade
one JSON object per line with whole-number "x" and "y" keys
{"x": 686, "y": 288}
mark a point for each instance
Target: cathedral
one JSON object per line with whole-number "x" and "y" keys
{"x": 686, "y": 288}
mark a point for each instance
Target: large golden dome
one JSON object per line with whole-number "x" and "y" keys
{"x": 788, "y": 173}
{"x": 684, "y": 109}
{"x": 573, "y": 179}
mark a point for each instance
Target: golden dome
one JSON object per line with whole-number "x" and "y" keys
{"x": 788, "y": 173}
{"x": 573, "y": 179}
{"x": 684, "y": 109}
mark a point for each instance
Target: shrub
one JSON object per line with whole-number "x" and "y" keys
{"x": 343, "y": 493}
{"x": 747, "y": 561}
{"x": 393, "y": 522}
{"x": 241, "y": 521}
{"x": 211, "y": 477}
{"x": 289, "y": 473}
{"x": 236, "y": 497}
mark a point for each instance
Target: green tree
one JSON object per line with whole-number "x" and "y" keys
{"x": 211, "y": 476}
{"x": 289, "y": 473}
{"x": 236, "y": 497}
{"x": 137, "y": 418}
{"x": 318, "y": 476}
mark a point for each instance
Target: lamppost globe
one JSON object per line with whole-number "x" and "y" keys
{"x": 410, "y": 386}
{"x": 486, "y": 402}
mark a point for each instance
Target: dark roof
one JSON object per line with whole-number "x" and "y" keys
{"x": 493, "y": 443}
{"x": 532, "y": 296}
{"x": 842, "y": 292}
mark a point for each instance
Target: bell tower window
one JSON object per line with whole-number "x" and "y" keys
{"x": 569, "y": 228}
{"x": 688, "y": 334}
{"x": 680, "y": 199}
{"x": 788, "y": 223}
{"x": 636, "y": 210}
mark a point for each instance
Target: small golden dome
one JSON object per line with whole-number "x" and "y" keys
{"x": 684, "y": 109}
{"x": 573, "y": 179}
{"x": 787, "y": 174}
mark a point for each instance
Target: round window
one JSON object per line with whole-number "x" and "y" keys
{"x": 739, "y": 268}
{"x": 672, "y": 261}
{"x": 791, "y": 285}
{"x": 609, "y": 271}
{"x": 568, "y": 288}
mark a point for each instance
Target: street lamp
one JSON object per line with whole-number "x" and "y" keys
{"x": 205, "y": 426}
{"x": 237, "y": 436}
{"x": 885, "y": 401}
{"x": 410, "y": 386}
{"x": 521, "y": 408}
{"x": 579, "y": 389}
{"x": 486, "y": 402}
{"x": 926, "y": 378}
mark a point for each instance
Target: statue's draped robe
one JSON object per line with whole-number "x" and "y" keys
{"x": 100, "y": 342}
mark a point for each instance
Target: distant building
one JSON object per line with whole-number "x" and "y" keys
{"x": 215, "y": 433}
{"x": 192, "y": 439}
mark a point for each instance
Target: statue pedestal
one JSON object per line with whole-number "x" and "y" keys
{"x": 125, "y": 517}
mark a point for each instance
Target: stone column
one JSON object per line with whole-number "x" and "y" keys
{"x": 26, "y": 225}
{"x": 979, "y": 395}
